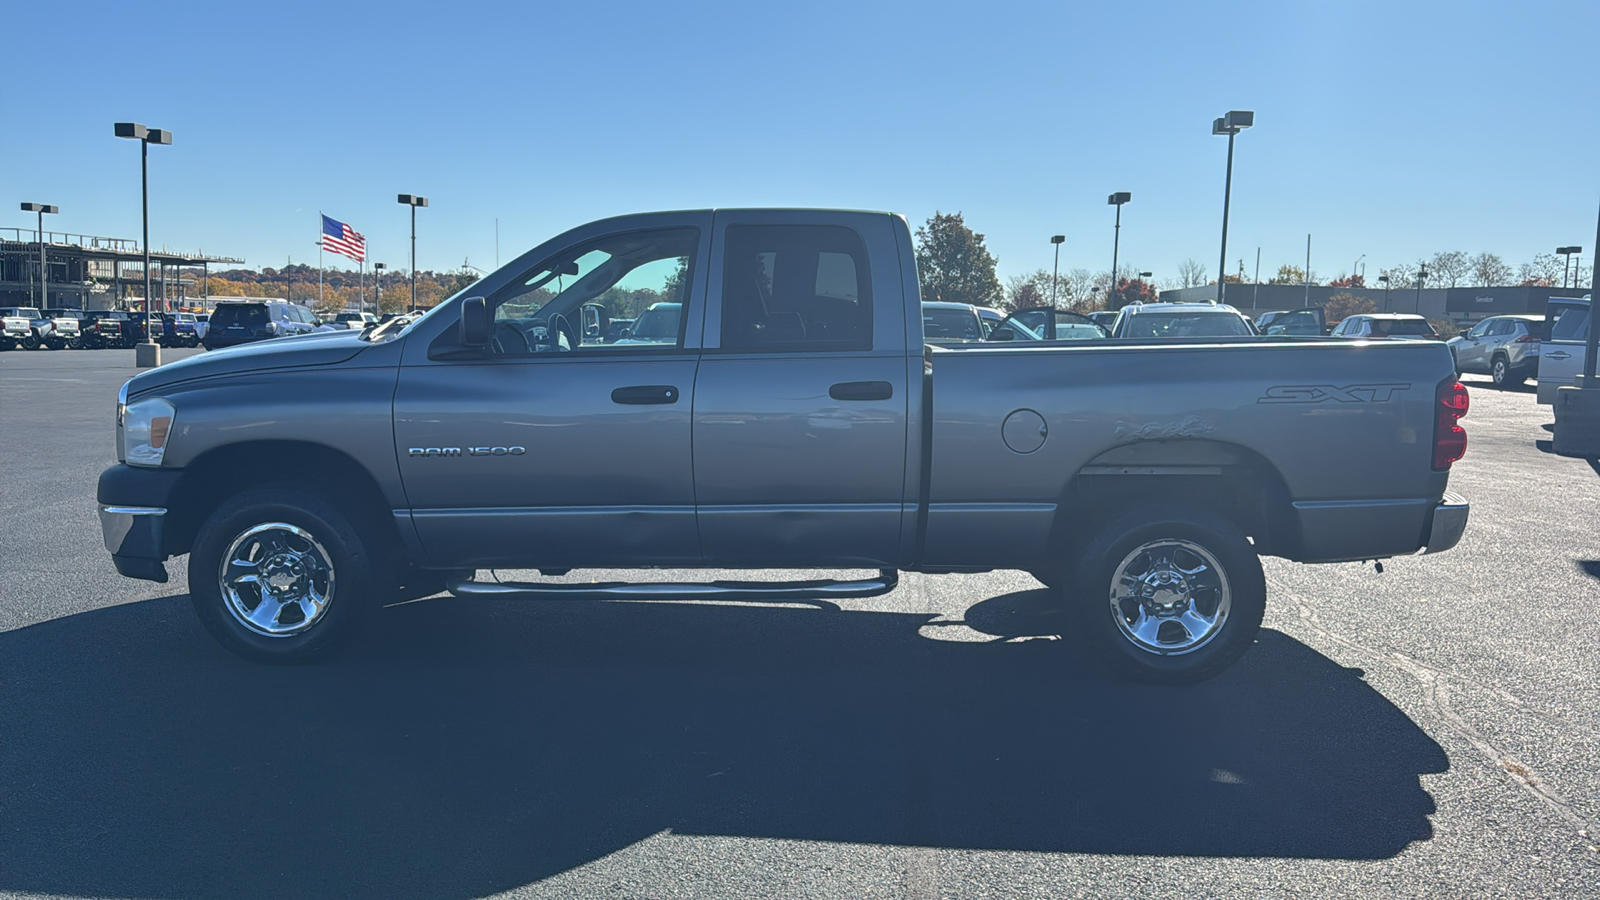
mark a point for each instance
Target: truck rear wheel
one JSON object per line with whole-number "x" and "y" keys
{"x": 1169, "y": 595}
{"x": 279, "y": 576}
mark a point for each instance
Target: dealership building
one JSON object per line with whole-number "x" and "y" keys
{"x": 91, "y": 272}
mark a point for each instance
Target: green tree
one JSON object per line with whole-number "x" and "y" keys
{"x": 1343, "y": 305}
{"x": 953, "y": 264}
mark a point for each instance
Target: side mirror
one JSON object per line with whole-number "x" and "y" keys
{"x": 474, "y": 328}
{"x": 1001, "y": 334}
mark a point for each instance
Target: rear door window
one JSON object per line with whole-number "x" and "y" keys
{"x": 797, "y": 287}
{"x": 1568, "y": 323}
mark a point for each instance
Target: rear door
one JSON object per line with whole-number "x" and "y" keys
{"x": 1562, "y": 347}
{"x": 801, "y": 399}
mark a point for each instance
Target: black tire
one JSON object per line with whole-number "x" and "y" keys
{"x": 327, "y": 556}
{"x": 31, "y": 342}
{"x": 1171, "y": 654}
{"x": 1503, "y": 375}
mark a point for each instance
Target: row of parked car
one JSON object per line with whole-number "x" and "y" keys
{"x": 231, "y": 322}
{"x": 1506, "y": 348}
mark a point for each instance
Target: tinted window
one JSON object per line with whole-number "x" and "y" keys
{"x": 248, "y": 315}
{"x": 1401, "y": 326}
{"x": 951, "y": 324}
{"x": 1481, "y": 329}
{"x": 797, "y": 287}
{"x": 1571, "y": 324}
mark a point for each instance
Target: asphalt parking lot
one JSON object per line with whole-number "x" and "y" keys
{"x": 1429, "y": 731}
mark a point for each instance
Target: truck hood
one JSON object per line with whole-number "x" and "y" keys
{"x": 319, "y": 349}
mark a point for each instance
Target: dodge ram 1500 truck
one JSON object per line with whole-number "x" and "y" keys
{"x": 791, "y": 416}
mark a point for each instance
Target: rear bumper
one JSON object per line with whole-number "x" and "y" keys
{"x": 1449, "y": 523}
{"x": 1347, "y": 530}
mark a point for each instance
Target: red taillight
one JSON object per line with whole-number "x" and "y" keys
{"x": 1524, "y": 339}
{"x": 1449, "y": 439}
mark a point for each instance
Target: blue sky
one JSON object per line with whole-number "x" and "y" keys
{"x": 1389, "y": 129}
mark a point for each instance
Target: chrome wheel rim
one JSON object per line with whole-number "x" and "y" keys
{"x": 1499, "y": 371}
{"x": 1170, "y": 597}
{"x": 276, "y": 580}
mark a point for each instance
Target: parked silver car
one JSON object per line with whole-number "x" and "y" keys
{"x": 1506, "y": 348}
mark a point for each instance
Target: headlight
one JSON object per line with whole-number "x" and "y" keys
{"x": 146, "y": 425}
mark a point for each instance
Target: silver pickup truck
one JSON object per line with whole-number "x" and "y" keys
{"x": 789, "y": 415}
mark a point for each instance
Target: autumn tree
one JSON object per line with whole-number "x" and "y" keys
{"x": 1291, "y": 274}
{"x": 1545, "y": 270}
{"x": 1344, "y": 304}
{"x": 1132, "y": 290}
{"x": 953, "y": 264}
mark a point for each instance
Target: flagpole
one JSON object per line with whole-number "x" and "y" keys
{"x": 319, "y": 258}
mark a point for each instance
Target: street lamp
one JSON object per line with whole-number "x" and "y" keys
{"x": 1566, "y": 252}
{"x": 1231, "y": 124}
{"x": 1058, "y": 240}
{"x": 44, "y": 273}
{"x": 1385, "y": 280}
{"x": 413, "y": 201}
{"x": 1422, "y": 276}
{"x": 148, "y": 352}
{"x": 377, "y": 278}
{"x": 1117, "y": 199}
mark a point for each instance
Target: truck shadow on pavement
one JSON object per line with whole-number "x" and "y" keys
{"x": 464, "y": 748}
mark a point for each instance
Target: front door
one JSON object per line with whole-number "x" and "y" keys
{"x": 556, "y": 448}
{"x": 801, "y": 402}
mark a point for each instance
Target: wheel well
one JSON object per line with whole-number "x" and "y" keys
{"x": 226, "y": 471}
{"x": 1232, "y": 480}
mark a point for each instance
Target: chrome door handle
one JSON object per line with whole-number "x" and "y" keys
{"x": 1559, "y": 354}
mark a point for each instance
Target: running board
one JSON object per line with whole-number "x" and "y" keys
{"x": 716, "y": 590}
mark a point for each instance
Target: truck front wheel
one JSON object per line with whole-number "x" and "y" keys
{"x": 1171, "y": 596}
{"x": 277, "y": 575}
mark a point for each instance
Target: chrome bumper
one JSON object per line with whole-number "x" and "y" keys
{"x": 133, "y": 535}
{"x": 1449, "y": 523}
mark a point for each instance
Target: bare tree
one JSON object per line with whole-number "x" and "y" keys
{"x": 1449, "y": 268}
{"x": 1077, "y": 290}
{"x": 1489, "y": 270}
{"x": 1401, "y": 276}
{"x": 1030, "y": 290}
{"x": 1191, "y": 273}
{"x": 1544, "y": 271}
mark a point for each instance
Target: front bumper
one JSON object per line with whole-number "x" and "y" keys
{"x": 133, "y": 506}
{"x": 1449, "y": 523}
{"x": 133, "y": 534}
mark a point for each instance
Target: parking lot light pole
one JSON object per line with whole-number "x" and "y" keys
{"x": 377, "y": 281}
{"x": 413, "y": 201}
{"x": 1422, "y": 276}
{"x": 1231, "y": 124}
{"x": 1566, "y": 253}
{"x": 44, "y": 272}
{"x": 1055, "y": 277}
{"x": 1385, "y": 280}
{"x": 147, "y": 353}
{"x": 1117, "y": 199}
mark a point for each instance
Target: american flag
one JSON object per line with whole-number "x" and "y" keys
{"x": 341, "y": 238}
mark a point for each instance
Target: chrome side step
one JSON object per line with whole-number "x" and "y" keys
{"x": 716, "y": 590}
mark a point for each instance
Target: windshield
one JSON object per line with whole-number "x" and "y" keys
{"x": 1164, "y": 325}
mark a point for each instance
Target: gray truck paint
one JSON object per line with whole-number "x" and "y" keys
{"x": 969, "y": 464}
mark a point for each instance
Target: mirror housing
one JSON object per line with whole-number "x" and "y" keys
{"x": 474, "y": 327}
